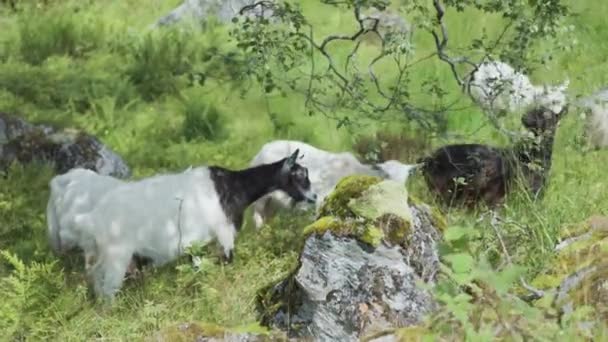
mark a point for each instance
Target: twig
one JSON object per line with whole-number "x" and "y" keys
{"x": 441, "y": 44}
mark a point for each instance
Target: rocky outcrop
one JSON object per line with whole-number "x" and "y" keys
{"x": 197, "y": 11}
{"x": 64, "y": 148}
{"x": 578, "y": 275}
{"x": 361, "y": 267}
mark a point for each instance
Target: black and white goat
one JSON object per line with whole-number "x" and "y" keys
{"x": 325, "y": 168}
{"x": 468, "y": 173}
{"x": 72, "y": 193}
{"x": 158, "y": 217}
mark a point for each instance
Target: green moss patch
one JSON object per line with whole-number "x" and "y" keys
{"x": 336, "y": 204}
{"x": 588, "y": 244}
{"x": 366, "y": 208}
{"x": 585, "y": 248}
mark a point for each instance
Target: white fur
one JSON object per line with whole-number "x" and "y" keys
{"x": 596, "y": 125}
{"x": 496, "y": 85}
{"x": 325, "y": 169}
{"x": 72, "y": 193}
{"x": 155, "y": 218}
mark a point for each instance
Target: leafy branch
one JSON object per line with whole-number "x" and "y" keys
{"x": 284, "y": 55}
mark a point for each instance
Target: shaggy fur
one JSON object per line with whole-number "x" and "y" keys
{"x": 159, "y": 217}
{"x": 470, "y": 173}
{"x": 596, "y": 124}
{"x": 496, "y": 85}
{"x": 72, "y": 193}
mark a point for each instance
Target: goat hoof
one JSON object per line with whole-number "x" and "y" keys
{"x": 227, "y": 259}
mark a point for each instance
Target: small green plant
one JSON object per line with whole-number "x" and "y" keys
{"x": 478, "y": 301}
{"x": 202, "y": 121}
{"x": 27, "y": 291}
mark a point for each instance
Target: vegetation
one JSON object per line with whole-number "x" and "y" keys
{"x": 167, "y": 99}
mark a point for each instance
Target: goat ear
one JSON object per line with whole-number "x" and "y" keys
{"x": 291, "y": 160}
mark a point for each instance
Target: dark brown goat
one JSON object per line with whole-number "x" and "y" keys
{"x": 468, "y": 173}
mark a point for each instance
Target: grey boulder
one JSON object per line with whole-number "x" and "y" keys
{"x": 65, "y": 149}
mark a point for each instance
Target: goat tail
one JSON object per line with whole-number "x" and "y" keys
{"x": 53, "y": 226}
{"x": 58, "y": 185}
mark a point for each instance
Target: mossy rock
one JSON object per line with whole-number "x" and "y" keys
{"x": 578, "y": 274}
{"x": 583, "y": 244}
{"x": 366, "y": 208}
{"x": 437, "y": 217}
{"x": 336, "y": 204}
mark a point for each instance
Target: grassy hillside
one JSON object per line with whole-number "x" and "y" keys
{"x": 92, "y": 65}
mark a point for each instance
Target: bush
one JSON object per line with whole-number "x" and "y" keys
{"x": 157, "y": 60}
{"x": 202, "y": 121}
{"x": 62, "y": 84}
{"x": 57, "y": 31}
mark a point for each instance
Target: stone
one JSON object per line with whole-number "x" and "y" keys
{"x": 197, "y": 11}
{"x": 63, "y": 148}
{"x": 578, "y": 274}
{"x": 362, "y": 267}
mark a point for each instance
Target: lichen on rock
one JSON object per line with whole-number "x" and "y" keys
{"x": 578, "y": 274}
{"x": 367, "y": 208}
{"x": 336, "y": 204}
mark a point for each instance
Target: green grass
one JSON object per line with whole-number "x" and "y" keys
{"x": 100, "y": 69}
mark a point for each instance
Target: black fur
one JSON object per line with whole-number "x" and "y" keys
{"x": 488, "y": 172}
{"x": 238, "y": 189}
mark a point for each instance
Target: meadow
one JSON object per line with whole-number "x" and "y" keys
{"x": 97, "y": 66}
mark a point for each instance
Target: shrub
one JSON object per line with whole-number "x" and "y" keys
{"x": 62, "y": 84}
{"x": 27, "y": 292}
{"x": 57, "y": 31}
{"x": 158, "y": 59}
{"x": 202, "y": 121}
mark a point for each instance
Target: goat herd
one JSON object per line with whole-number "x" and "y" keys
{"x": 118, "y": 223}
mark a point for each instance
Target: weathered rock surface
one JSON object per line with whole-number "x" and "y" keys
{"x": 361, "y": 267}
{"x": 65, "y": 149}
{"x": 196, "y": 11}
{"x": 578, "y": 275}
{"x": 201, "y": 332}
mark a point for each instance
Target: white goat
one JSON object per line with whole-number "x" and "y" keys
{"x": 158, "y": 217}
{"x": 74, "y": 192}
{"x": 325, "y": 171}
{"x": 496, "y": 85}
{"x": 596, "y": 123}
